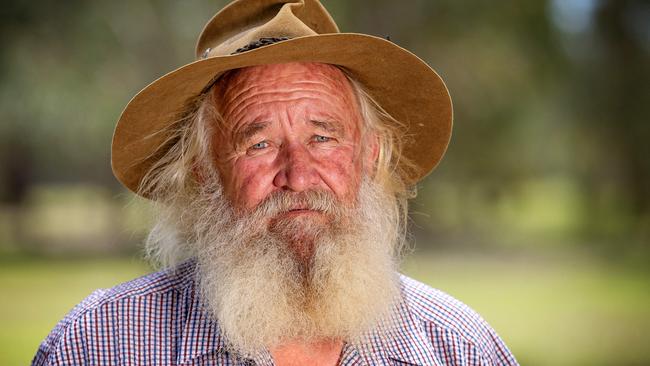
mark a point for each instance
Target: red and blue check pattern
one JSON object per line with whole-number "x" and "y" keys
{"x": 159, "y": 320}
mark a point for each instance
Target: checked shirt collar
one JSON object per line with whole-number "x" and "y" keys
{"x": 403, "y": 341}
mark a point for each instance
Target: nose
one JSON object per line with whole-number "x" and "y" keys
{"x": 297, "y": 171}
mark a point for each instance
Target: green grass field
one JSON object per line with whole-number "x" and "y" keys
{"x": 550, "y": 312}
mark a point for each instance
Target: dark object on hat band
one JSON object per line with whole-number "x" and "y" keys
{"x": 264, "y": 41}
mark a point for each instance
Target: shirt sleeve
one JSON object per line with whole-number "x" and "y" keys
{"x": 60, "y": 346}
{"x": 499, "y": 353}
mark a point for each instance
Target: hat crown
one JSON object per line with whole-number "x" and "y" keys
{"x": 246, "y": 21}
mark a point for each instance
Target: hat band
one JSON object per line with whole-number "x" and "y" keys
{"x": 264, "y": 41}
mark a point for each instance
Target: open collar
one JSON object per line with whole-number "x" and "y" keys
{"x": 399, "y": 338}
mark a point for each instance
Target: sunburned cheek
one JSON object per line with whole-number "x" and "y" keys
{"x": 340, "y": 163}
{"x": 341, "y": 171}
{"x": 252, "y": 180}
{"x": 345, "y": 158}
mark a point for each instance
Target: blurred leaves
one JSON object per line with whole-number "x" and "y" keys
{"x": 551, "y": 105}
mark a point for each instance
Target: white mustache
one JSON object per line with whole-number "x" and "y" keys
{"x": 316, "y": 200}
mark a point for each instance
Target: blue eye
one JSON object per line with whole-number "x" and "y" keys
{"x": 319, "y": 138}
{"x": 260, "y": 145}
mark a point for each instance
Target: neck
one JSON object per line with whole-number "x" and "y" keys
{"x": 317, "y": 353}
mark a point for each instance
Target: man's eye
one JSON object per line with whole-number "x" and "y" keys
{"x": 319, "y": 138}
{"x": 260, "y": 145}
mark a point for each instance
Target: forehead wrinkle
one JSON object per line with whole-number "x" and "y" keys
{"x": 247, "y": 87}
{"x": 269, "y": 72}
{"x": 232, "y": 105}
{"x": 333, "y": 112}
{"x": 235, "y": 109}
{"x": 255, "y": 89}
{"x": 335, "y": 77}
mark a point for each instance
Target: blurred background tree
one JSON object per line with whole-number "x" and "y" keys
{"x": 549, "y": 158}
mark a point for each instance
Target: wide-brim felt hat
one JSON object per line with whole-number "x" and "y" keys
{"x": 259, "y": 32}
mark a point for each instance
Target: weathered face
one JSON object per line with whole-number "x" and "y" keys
{"x": 292, "y": 127}
{"x": 310, "y": 242}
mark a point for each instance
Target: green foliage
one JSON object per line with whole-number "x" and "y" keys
{"x": 544, "y": 92}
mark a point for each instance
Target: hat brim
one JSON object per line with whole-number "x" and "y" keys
{"x": 404, "y": 85}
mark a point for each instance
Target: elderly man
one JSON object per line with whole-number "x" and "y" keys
{"x": 280, "y": 164}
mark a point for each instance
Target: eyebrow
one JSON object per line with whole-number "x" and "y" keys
{"x": 328, "y": 126}
{"x": 244, "y": 133}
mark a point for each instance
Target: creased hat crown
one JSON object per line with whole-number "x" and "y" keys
{"x": 244, "y": 21}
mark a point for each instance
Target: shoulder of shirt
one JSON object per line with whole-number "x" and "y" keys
{"x": 164, "y": 281}
{"x": 437, "y": 311}
{"x": 158, "y": 283}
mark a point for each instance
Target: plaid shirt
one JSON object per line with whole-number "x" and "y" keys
{"x": 159, "y": 320}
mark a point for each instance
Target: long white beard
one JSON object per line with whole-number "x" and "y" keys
{"x": 263, "y": 294}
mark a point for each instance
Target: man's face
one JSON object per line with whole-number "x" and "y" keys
{"x": 288, "y": 127}
{"x": 294, "y": 239}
